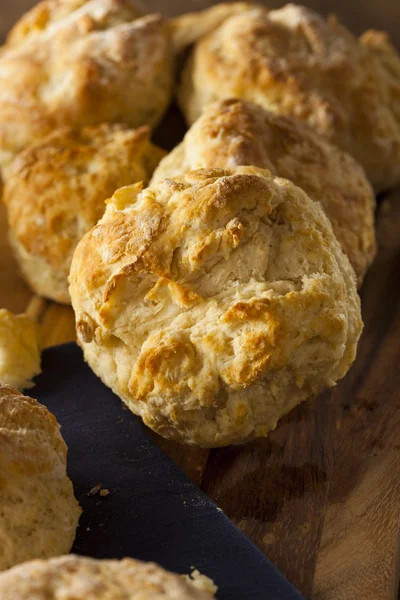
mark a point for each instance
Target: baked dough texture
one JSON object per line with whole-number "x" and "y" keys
{"x": 234, "y": 132}
{"x": 80, "y": 578}
{"x": 214, "y": 302}
{"x": 38, "y": 510}
{"x": 293, "y": 61}
{"x": 56, "y": 191}
{"x": 20, "y": 349}
{"x": 188, "y": 28}
{"x": 75, "y": 63}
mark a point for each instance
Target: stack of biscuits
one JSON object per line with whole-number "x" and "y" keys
{"x": 215, "y": 286}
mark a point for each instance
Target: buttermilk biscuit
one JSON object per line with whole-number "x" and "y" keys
{"x": 56, "y": 191}
{"x": 233, "y": 132}
{"x": 80, "y": 578}
{"x": 215, "y": 302}
{"x": 82, "y": 63}
{"x": 190, "y": 27}
{"x": 38, "y": 511}
{"x": 292, "y": 61}
{"x": 20, "y": 349}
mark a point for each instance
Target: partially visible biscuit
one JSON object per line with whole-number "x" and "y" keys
{"x": 82, "y": 63}
{"x": 231, "y": 133}
{"x": 38, "y": 511}
{"x": 20, "y": 349}
{"x": 81, "y": 578}
{"x": 188, "y": 28}
{"x": 56, "y": 191}
{"x": 214, "y": 302}
{"x": 48, "y": 13}
{"x": 294, "y": 62}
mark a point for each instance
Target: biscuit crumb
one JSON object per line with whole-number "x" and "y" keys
{"x": 95, "y": 489}
{"x": 104, "y": 492}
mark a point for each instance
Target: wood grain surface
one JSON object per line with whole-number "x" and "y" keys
{"x": 321, "y": 496}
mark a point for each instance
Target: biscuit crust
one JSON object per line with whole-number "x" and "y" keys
{"x": 232, "y": 132}
{"x": 38, "y": 511}
{"x": 214, "y": 302}
{"x": 82, "y": 63}
{"x": 294, "y": 62}
{"x": 20, "y": 349}
{"x": 56, "y": 191}
{"x": 80, "y": 578}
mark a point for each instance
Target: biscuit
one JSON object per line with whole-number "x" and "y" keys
{"x": 56, "y": 191}
{"x": 92, "y": 62}
{"x": 231, "y": 133}
{"x": 38, "y": 511}
{"x": 292, "y": 61}
{"x": 214, "y": 302}
{"x": 20, "y": 349}
{"x": 188, "y": 28}
{"x": 81, "y": 578}
{"x": 50, "y": 12}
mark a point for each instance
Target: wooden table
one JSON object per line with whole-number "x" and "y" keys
{"x": 321, "y": 495}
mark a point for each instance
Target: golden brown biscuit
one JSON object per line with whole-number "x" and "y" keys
{"x": 233, "y": 132}
{"x": 56, "y": 191}
{"x": 48, "y": 12}
{"x": 294, "y": 62}
{"x": 38, "y": 511}
{"x": 20, "y": 349}
{"x": 215, "y": 302}
{"x": 190, "y": 27}
{"x": 80, "y": 578}
{"x": 91, "y": 62}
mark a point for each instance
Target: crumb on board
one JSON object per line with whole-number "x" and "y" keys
{"x": 97, "y": 489}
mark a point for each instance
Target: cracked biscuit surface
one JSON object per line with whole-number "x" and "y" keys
{"x": 292, "y": 61}
{"x": 232, "y": 132}
{"x": 214, "y": 302}
{"x": 38, "y": 511}
{"x": 78, "y": 63}
{"x": 56, "y": 191}
{"x": 80, "y": 578}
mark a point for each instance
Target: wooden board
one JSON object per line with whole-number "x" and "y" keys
{"x": 321, "y": 495}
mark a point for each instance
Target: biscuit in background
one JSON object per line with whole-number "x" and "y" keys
{"x": 90, "y": 579}
{"x": 232, "y": 132}
{"x": 56, "y": 191}
{"x": 20, "y": 349}
{"x": 38, "y": 511}
{"x": 214, "y": 302}
{"x": 80, "y": 63}
{"x": 293, "y": 61}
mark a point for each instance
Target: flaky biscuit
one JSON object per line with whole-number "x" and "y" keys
{"x": 231, "y": 133}
{"x": 56, "y": 191}
{"x": 38, "y": 510}
{"x": 292, "y": 61}
{"x": 47, "y": 13}
{"x": 80, "y": 578}
{"x": 20, "y": 349}
{"x": 98, "y": 63}
{"x": 214, "y": 302}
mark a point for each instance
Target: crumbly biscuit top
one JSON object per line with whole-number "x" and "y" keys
{"x": 80, "y": 578}
{"x": 234, "y": 132}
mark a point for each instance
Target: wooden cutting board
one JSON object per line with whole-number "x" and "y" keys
{"x": 321, "y": 496}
